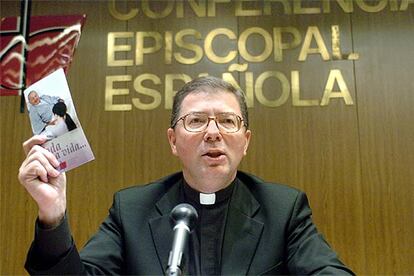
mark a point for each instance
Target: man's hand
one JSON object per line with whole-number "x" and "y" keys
{"x": 45, "y": 184}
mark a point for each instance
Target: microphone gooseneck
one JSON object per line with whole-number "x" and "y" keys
{"x": 183, "y": 219}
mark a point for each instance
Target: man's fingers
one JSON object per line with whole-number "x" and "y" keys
{"x": 40, "y": 171}
{"x": 39, "y": 165}
{"x": 32, "y": 171}
{"x": 35, "y": 140}
{"x": 36, "y": 150}
{"x": 46, "y": 159}
{"x": 44, "y": 162}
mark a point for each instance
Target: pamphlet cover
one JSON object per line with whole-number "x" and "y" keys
{"x": 52, "y": 113}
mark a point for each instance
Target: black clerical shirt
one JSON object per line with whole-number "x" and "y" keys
{"x": 205, "y": 244}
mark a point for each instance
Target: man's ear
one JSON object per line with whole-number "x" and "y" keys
{"x": 172, "y": 140}
{"x": 248, "y": 135}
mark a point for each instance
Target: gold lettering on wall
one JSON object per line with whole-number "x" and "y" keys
{"x": 120, "y": 45}
{"x": 313, "y": 33}
{"x": 140, "y": 49}
{"x": 208, "y": 45}
{"x": 299, "y": 9}
{"x": 336, "y": 46}
{"x": 394, "y": 5}
{"x": 284, "y": 83}
{"x": 296, "y": 100}
{"x": 405, "y": 3}
{"x": 114, "y": 48}
{"x": 363, "y": 4}
{"x": 278, "y": 43}
{"x": 148, "y": 87}
{"x": 121, "y": 16}
{"x": 198, "y": 7}
{"x": 146, "y": 8}
{"x": 268, "y": 44}
{"x": 346, "y": 5}
{"x": 150, "y": 93}
{"x": 110, "y": 92}
{"x": 241, "y": 11}
{"x": 151, "y": 88}
{"x": 170, "y": 91}
{"x": 196, "y": 49}
{"x": 209, "y": 8}
{"x": 336, "y": 76}
{"x": 336, "y": 49}
{"x": 267, "y": 6}
{"x": 248, "y": 90}
{"x": 168, "y": 44}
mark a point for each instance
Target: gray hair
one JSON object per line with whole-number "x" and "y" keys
{"x": 33, "y": 91}
{"x": 208, "y": 84}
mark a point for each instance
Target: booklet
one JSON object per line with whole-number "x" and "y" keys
{"x": 52, "y": 113}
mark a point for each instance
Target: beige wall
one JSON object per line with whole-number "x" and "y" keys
{"x": 354, "y": 161}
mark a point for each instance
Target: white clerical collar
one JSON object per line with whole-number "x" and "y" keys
{"x": 207, "y": 199}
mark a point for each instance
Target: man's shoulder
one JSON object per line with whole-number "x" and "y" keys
{"x": 149, "y": 191}
{"x": 267, "y": 190}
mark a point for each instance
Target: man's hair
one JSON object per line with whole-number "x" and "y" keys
{"x": 208, "y": 84}
{"x": 30, "y": 93}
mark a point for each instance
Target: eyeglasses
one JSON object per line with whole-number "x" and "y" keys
{"x": 198, "y": 121}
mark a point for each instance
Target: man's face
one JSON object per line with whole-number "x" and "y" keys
{"x": 34, "y": 98}
{"x": 210, "y": 154}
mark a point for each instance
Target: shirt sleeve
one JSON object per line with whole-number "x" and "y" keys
{"x": 50, "y": 99}
{"x": 53, "y": 251}
{"x": 53, "y": 242}
{"x": 49, "y": 246}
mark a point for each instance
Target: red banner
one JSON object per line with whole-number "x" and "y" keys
{"x": 52, "y": 43}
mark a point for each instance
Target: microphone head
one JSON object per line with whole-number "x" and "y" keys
{"x": 184, "y": 213}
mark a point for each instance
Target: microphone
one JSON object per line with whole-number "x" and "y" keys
{"x": 183, "y": 218}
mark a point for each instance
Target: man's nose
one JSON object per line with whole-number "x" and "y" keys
{"x": 212, "y": 132}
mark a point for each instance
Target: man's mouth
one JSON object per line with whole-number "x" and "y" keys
{"x": 214, "y": 154}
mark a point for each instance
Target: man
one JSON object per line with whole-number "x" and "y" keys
{"x": 245, "y": 226}
{"x": 40, "y": 111}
